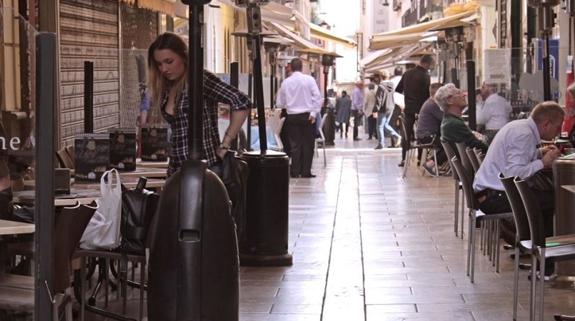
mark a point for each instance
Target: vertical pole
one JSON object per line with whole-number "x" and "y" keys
{"x": 88, "y": 97}
{"x": 259, "y": 93}
{"x": 196, "y": 79}
{"x": 272, "y": 80}
{"x": 471, "y": 94}
{"x": 249, "y": 119}
{"x": 44, "y": 212}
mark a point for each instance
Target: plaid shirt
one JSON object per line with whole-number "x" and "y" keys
{"x": 215, "y": 91}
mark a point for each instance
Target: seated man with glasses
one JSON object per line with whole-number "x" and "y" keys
{"x": 452, "y": 101}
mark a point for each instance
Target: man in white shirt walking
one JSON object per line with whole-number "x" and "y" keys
{"x": 494, "y": 112}
{"x": 300, "y": 96}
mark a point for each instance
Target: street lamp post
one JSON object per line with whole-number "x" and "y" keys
{"x": 329, "y": 123}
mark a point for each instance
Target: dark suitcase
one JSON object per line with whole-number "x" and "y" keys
{"x": 194, "y": 254}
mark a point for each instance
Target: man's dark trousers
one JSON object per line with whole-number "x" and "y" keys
{"x": 356, "y": 121}
{"x": 409, "y": 122}
{"x": 301, "y": 140}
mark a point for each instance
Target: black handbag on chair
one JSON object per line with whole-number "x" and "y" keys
{"x": 138, "y": 209}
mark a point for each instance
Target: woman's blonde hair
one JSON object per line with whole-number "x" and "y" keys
{"x": 157, "y": 84}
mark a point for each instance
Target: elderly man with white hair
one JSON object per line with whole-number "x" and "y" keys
{"x": 452, "y": 101}
{"x": 495, "y": 111}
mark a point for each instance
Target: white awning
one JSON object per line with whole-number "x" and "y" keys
{"x": 325, "y": 34}
{"x": 301, "y": 44}
{"x": 415, "y": 33}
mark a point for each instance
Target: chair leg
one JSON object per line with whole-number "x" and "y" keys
{"x": 406, "y": 163}
{"x": 497, "y": 246}
{"x": 82, "y": 288}
{"x": 456, "y": 208}
{"x": 435, "y": 162}
{"x": 462, "y": 198}
{"x": 482, "y": 237}
{"x": 142, "y": 286}
{"x": 541, "y": 284}
{"x": 472, "y": 237}
{"x": 515, "y": 282}
{"x": 69, "y": 312}
{"x": 324, "y": 158}
{"x": 533, "y": 284}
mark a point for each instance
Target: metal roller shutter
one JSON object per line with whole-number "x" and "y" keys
{"x": 88, "y": 31}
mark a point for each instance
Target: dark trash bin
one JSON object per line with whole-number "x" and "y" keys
{"x": 267, "y": 216}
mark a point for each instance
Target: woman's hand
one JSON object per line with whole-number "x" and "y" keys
{"x": 221, "y": 152}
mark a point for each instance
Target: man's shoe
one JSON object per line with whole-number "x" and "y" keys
{"x": 398, "y": 143}
{"x": 308, "y": 176}
{"x": 294, "y": 175}
{"x": 378, "y": 146}
{"x": 357, "y": 138}
{"x": 401, "y": 164}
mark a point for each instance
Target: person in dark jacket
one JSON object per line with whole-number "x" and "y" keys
{"x": 452, "y": 101}
{"x": 429, "y": 127}
{"x": 414, "y": 85}
{"x": 343, "y": 112}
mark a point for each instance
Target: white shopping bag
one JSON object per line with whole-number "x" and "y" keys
{"x": 103, "y": 230}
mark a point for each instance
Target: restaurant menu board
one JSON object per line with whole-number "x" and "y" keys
{"x": 155, "y": 144}
{"x": 123, "y": 148}
{"x": 92, "y": 156}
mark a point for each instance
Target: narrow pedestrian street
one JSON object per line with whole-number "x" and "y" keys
{"x": 368, "y": 245}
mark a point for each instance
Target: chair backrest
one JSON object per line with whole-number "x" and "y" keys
{"x": 462, "y": 155}
{"x": 472, "y": 159}
{"x": 533, "y": 211}
{"x": 71, "y": 152}
{"x": 403, "y": 130}
{"x": 277, "y": 133}
{"x": 64, "y": 159}
{"x": 466, "y": 183}
{"x": 479, "y": 155}
{"x": 322, "y": 120}
{"x": 517, "y": 207}
{"x": 69, "y": 226}
{"x": 450, "y": 154}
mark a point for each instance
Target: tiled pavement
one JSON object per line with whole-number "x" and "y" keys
{"x": 368, "y": 245}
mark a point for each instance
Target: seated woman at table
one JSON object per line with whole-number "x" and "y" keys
{"x": 168, "y": 83}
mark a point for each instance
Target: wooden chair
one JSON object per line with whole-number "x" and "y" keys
{"x": 64, "y": 159}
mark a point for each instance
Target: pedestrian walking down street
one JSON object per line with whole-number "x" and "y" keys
{"x": 300, "y": 96}
{"x": 414, "y": 85}
{"x": 384, "y": 105}
{"x": 368, "y": 106}
{"x": 357, "y": 98}
{"x": 343, "y": 113}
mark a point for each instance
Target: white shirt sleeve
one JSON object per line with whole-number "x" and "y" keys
{"x": 520, "y": 162}
{"x": 281, "y": 98}
{"x": 316, "y": 97}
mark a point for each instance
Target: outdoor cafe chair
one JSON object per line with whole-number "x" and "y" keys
{"x": 475, "y": 215}
{"x": 412, "y": 147}
{"x": 320, "y": 141}
{"x": 543, "y": 248}
{"x": 473, "y": 159}
{"x": 458, "y": 190}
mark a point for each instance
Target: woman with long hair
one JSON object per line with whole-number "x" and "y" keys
{"x": 168, "y": 83}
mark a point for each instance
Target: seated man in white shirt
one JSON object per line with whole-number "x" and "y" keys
{"x": 514, "y": 153}
{"x": 494, "y": 112}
